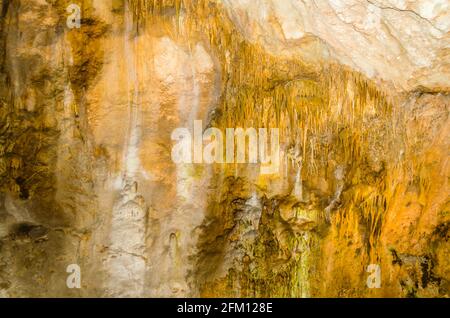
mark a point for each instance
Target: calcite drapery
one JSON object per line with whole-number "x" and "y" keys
{"x": 358, "y": 89}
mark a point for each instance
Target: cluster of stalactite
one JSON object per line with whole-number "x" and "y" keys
{"x": 331, "y": 115}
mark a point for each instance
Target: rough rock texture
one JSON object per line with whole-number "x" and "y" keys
{"x": 403, "y": 42}
{"x": 358, "y": 89}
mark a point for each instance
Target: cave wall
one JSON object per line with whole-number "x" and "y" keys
{"x": 358, "y": 89}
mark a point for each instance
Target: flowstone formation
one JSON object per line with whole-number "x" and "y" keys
{"x": 359, "y": 93}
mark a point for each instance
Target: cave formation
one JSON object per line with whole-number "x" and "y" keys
{"x": 91, "y": 94}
